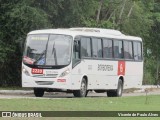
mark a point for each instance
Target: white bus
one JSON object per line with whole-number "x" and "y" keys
{"x": 78, "y": 60}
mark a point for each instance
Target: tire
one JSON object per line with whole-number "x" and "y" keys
{"x": 83, "y": 90}
{"x": 38, "y": 92}
{"x": 117, "y": 92}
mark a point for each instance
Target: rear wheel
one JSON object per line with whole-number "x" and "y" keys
{"x": 83, "y": 90}
{"x": 38, "y": 92}
{"x": 117, "y": 92}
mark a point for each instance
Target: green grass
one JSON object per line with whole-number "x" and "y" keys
{"x": 137, "y": 103}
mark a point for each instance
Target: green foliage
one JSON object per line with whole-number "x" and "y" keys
{"x": 73, "y": 12}
{"x": 17, "y": 18}
{"x": 150, "y": 70}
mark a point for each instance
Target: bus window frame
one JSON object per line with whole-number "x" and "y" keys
{"x": 113, "y": 58}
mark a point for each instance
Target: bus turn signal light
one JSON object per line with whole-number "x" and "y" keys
{"x": 61, "y": 80}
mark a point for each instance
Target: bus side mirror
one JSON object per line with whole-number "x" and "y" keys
{"x": 77, "y": 46}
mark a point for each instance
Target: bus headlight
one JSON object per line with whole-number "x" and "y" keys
{"x": 66, "y": 72}
{"x": 25, "y": 71}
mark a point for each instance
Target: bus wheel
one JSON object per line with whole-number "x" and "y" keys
{"x": 117, "y": 92}
{"x": 83, "y": 90}
{"x": 38, "y": 92}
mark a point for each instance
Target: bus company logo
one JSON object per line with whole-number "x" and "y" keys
{"x": 121, "y": 67}
{"x": 6, "y": 114}
{"x": 102, "y": 67}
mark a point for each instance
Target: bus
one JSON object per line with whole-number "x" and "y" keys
{"x": 78, "y": 60}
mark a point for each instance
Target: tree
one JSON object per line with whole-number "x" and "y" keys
{"x": 154, "y": 42}
{"x": 17, "y": 18}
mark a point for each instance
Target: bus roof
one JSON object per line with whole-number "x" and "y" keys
{"x": 94, "y": 32}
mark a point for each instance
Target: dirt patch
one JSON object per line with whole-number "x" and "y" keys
{"x": 131, "y": 90}
{"x": 134, "y": 90}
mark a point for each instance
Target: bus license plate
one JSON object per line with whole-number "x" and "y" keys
{"x": 37, "y": 71}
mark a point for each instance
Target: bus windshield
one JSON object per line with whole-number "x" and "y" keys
{"x": 48, "y": 50}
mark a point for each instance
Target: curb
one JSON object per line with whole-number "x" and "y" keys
{"x": 16, "y": 91}
{"x": 142, "y": 89}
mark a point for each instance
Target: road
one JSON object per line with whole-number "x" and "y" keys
{"x": 29, "y": 94}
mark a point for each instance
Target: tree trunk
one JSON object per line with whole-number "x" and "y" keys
{"x": 130, "y": 11}
{"x": 99, "y": 10}
{"x": 122, "y": 10}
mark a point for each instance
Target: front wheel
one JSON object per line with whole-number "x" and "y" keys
{"x": 117, "y": 92}
{"x": 38, "y": 92}
{"x": 83, "y": 90}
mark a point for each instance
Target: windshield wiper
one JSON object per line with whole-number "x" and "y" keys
{"x": 54, "y": 52}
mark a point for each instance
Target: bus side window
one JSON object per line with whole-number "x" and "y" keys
{"x": 128, "y": 52}
{"x": 118, "y": 49}
{"x": 85, "y": 47}
{"x": 137, "y": 51}
{"x": 107, "y": 48}
{"x": 76, "y": 53}
{"x": 96, "y": 48}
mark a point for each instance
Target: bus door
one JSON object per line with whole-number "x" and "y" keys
{"x": 76, "y": 66}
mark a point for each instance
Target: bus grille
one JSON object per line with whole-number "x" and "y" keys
{"x": 51, "y": 75}
{"x": 44, "y": 82}
{"x": 46, "y": 76}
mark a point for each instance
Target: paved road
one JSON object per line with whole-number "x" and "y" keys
{"x": 29, "y": 94}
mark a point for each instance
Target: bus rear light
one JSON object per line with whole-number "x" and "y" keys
{"x": 61, "y": 80}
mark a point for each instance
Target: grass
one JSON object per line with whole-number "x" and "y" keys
{"x": 137, "y": 103}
